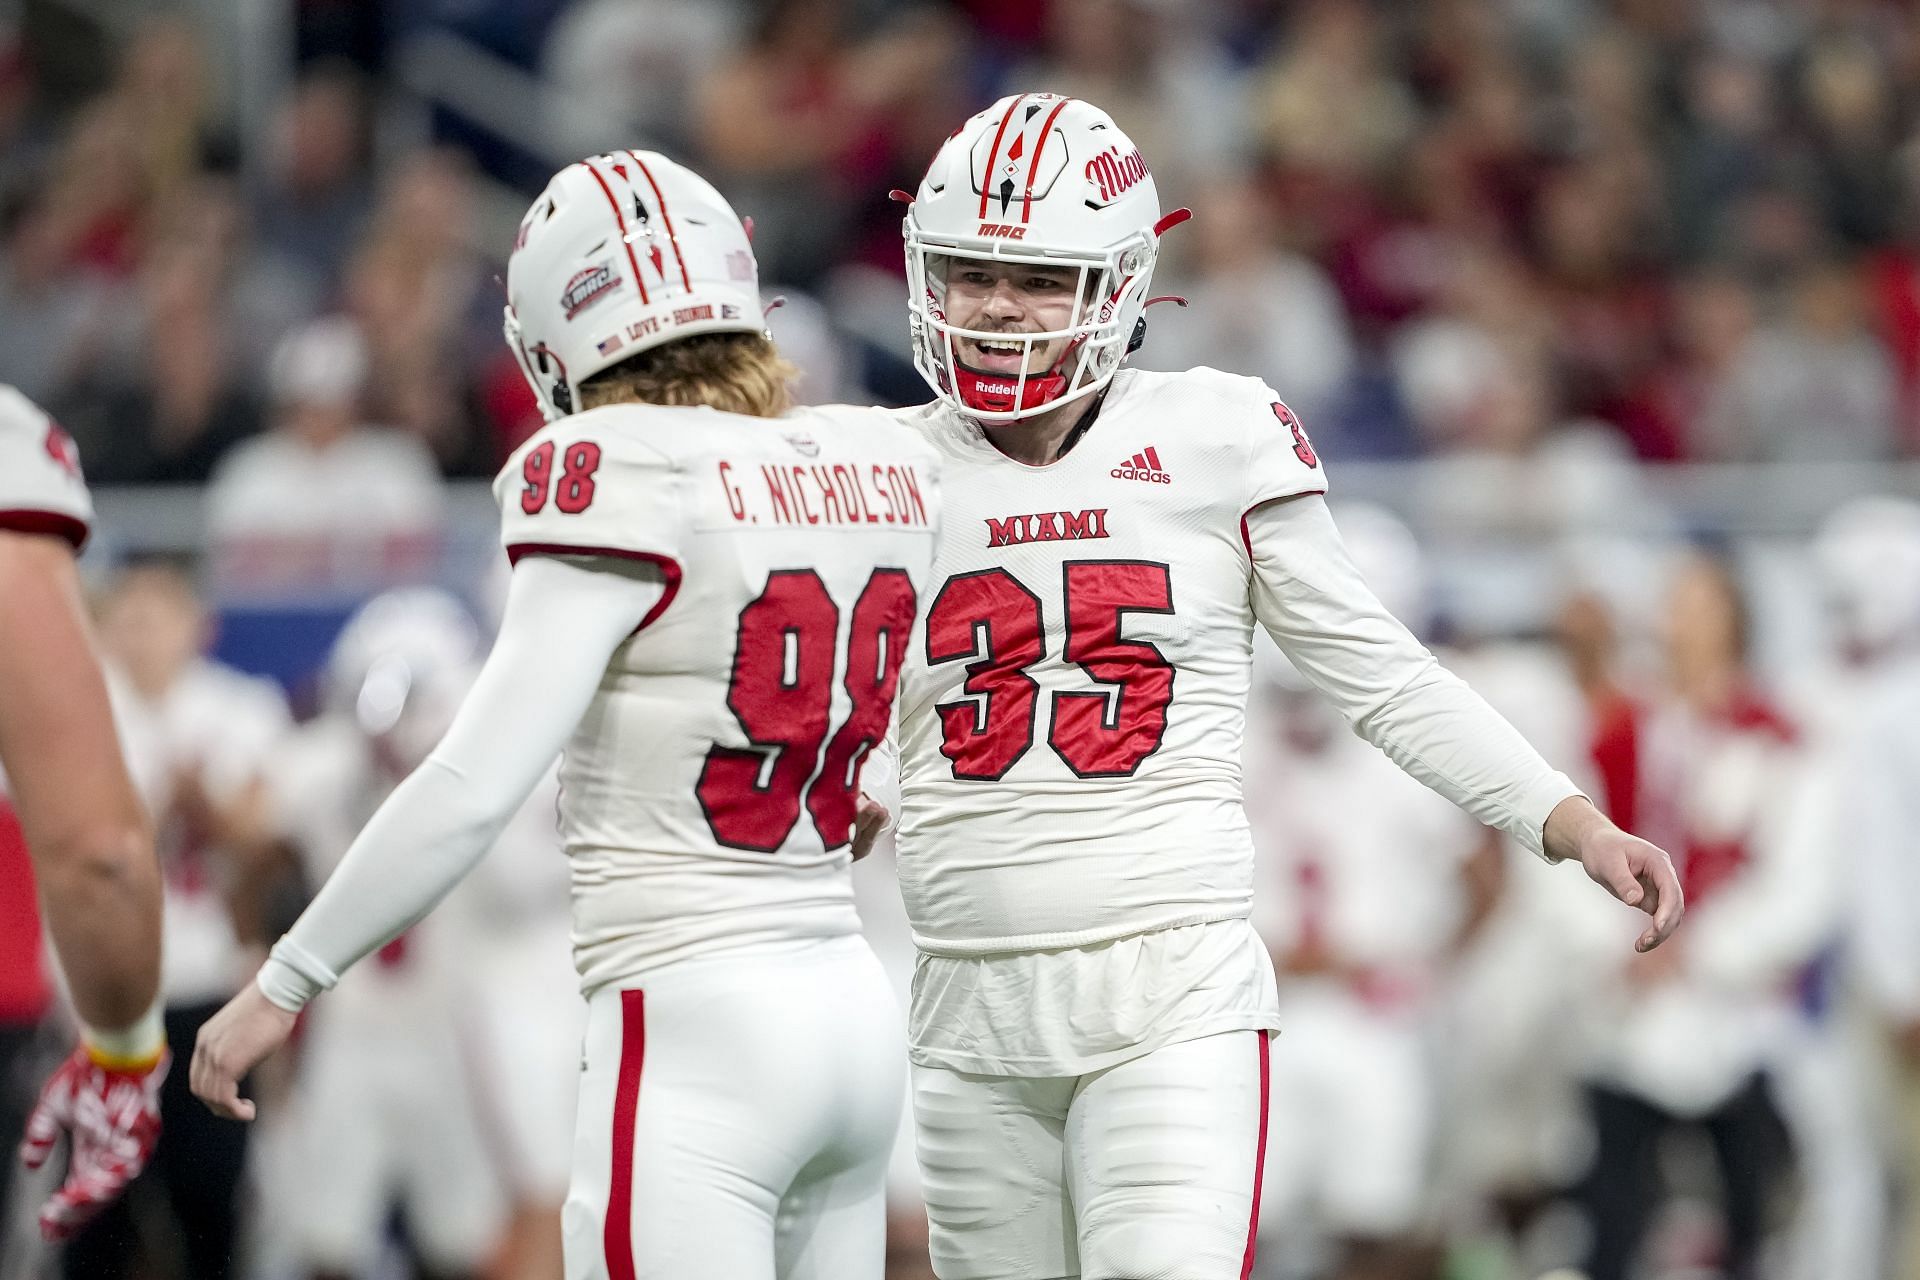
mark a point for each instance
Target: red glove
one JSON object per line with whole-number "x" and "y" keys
{"x": 113, "y": 1113}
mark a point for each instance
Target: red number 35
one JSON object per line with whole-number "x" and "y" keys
{"x": 1302, "y": 447}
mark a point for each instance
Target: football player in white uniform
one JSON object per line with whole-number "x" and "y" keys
{"x": 90, "y": 839}
{"x": 195, "y": 733}
{"x": 386, "y": 1111}
{"x": 1091, "y": 1008}
{"x": 711, "y": 604}
{"x": 1857, "y": 1080}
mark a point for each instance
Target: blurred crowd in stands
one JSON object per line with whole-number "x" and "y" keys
{"x": 1454, "y": 226}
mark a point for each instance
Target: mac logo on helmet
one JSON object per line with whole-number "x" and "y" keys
{"x": 587, "y": 287}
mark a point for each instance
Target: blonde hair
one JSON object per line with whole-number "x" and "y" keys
{"x": 733, "y": 372}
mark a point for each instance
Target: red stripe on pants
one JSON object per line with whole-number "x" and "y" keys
{"x": 1259, "y": 1162}
{"x": 618, "y": 1233}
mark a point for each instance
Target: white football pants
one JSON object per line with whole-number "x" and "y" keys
{"x": 1353, "y": 1099}
{"x": 386, "y": 1114}
{"x": 736, "y": 1116}
{"x": 1149, "y": 1170}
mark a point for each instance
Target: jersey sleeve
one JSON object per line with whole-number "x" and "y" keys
{"x": 1279, "y": 460}
{"x": 41, "y": 489}
{"x": 1385, "y": 683}
{"x": 544, "y": 670}
{"x": 587, "y": 487}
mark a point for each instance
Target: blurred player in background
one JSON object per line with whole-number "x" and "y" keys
{"x": 1091, "y": 1011}
{"x": 1366, "y": 885}
{"x": 89, "y": 838}
{"x": 1869, "y": 556}
{"x": 385, "y": 1112}
{"x": 197, "y": 735}
{"x": 711, "y": 603}
{"x": 1691, "y": 1037}
{"x": 1512, "y": 1130}
{"x": 523, "y": 1015}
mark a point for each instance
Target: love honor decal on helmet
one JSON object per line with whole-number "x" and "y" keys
{"x": 623, "y": 251}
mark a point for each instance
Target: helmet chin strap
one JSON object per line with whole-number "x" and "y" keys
{"x": 992, "y": 393}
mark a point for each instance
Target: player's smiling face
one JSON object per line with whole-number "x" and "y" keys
{"x": 1011, "y": 298}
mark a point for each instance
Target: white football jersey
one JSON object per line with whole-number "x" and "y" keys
{"x": 224, "y": 726}
{"x": 1071, "y": 723}
{"x": 323, "y": 784}
{"x": 41, "y": 490}
{"x": 708, "y": 795}
{"x": 1353, "y": 855}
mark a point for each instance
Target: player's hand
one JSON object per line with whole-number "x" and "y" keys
{"x": 870, "y": 820}
{"x": 1638, "y": 873}
{"x": 113, "y": 1117}
{"x": 232, "y": 1043}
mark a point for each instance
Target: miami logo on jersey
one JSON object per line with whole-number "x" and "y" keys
{"x": 1047, "y": 526}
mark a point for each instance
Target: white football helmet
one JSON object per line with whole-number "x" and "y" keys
{"x": 1046, "y": 180}
{"x": 1389, "y": 556}
{"x": 1868, "y": 554}
{"x": 400, "y": 667}
{"x": 622, "y": 252}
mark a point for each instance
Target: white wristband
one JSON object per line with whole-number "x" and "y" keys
{"x": 291, "y": 976}
{"x": 131, "y": 1048}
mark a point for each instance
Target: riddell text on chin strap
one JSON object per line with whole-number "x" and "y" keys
{"x": 994, "y": 394}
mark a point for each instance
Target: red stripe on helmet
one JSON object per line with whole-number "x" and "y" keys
{"x": 1033, "y": 168}
{"x": 993, "y": 156}
{"x": 620, "y": 219}
{"x": 665, "y": 217}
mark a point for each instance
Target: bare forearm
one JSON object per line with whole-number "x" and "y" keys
{"x": 100, "y": 899}
{"x": 1572, "y": 821}
{"x": 85, "y": 829}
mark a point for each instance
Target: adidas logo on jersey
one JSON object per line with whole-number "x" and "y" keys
{"x": 1144, "y": 465}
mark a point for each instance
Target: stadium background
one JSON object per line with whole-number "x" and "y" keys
{"x": 1572, "y": 287}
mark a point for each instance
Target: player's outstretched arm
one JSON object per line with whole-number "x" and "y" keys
{"x": 99, "y": 885}
{"x": 1313, "y": 601}
{"x": 1633, "y": 870}
{"x": 563, "y": 620}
